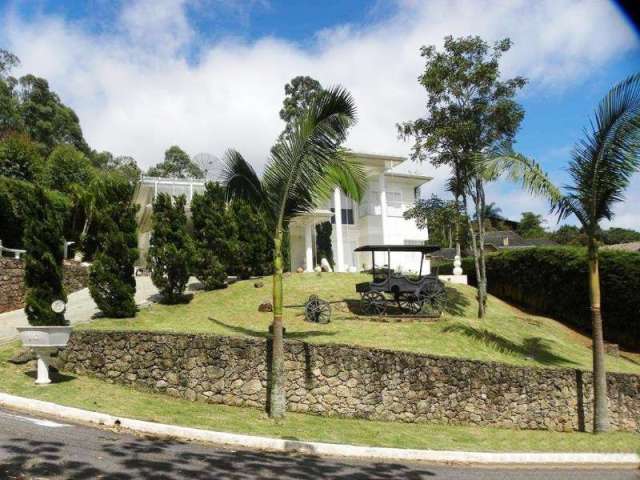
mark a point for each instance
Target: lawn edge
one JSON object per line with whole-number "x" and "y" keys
{"x": 105, "y": 420}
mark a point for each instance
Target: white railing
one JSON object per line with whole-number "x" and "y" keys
{"x": 17, "y": 252}
{"x": 394, "y": 209}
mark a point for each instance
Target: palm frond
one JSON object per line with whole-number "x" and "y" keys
{"x": 304, "y": 162}
{"x": 605, "y": 159}
{"x": 348, "y": 175}
{"x": 521, "y": 169}
{"x": 241, "y": 180}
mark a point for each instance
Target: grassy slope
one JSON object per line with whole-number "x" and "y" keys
{"x": 507, "y": 335}
{"x": 96, "y": 395}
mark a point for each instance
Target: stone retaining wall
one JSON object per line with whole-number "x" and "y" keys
{"x": 12, "y": 290}
{"x": 352, "y": 381}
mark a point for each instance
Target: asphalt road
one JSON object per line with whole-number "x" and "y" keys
{"x": 38, "y": 448}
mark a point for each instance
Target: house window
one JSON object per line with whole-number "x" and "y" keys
{"x": 347, "y": 216}
{"x": 394, "y": 197}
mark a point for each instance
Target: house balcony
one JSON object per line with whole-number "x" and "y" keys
{"x": 394, "y": 208}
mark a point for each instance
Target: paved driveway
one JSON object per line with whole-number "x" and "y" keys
{"x": 80, "y": 308}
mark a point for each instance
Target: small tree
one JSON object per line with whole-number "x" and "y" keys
{"x": 215, "y": 232}
{"x": 111, "y": 281}
{"x": 43, "y": 262}
{"x": 530, "y": 226}
{"x": 171, "y": 250}
{"x": 600, "y": 170}
{"x": 254, "y": 243}
{"x": 19, "y": 158}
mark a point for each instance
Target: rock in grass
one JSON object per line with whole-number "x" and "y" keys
{"x": 259, "y": 284}
{"x": 265, "y": 307}
{"x": 25, "y": 355}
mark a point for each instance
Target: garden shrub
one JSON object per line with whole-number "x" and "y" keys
{"x": 553, "y": 281}
{"x": 171, "y": 251}
{"x": 216, "y": 237}
{"x": 323, "y": 242}
{"x": 43, "y": 240}
{"x": 111, "y": 279}
{"x": 254, "y": 242}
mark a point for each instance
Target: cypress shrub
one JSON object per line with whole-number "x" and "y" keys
{"x": 553, "y": 281}
{"x": 111, "y": 279}
{"x": 216, "y": 237}
{"x": 43, "y": 240}
{"x": 171, "y": 251}
{"x": 254, "y": 243}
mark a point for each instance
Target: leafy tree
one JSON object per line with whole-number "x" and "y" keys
{"x": 216, "y": 237}
{"x": 324, "y": 248}
{"x": 469, "y": 112}
{"x": 304, "y": 168}
{"x": 43, "y": 262}
{"x": 67, "y": 168}
{"x": 177, "y": 164}
{"x": 620, "y": 235}
{"x": 569, "y": 235}
{"x": 254, "y": 247}
{"x": 600, "y": 170}
{"x": 123, "y": 165}
{"x": 171, "y": 251}
{"x": 46, "y": 119}
{"x": 111, "y": 279}
{"x": 10, "y": 120}
{"x": 530, "y": 226}
{"x": 19, "y": 158}
{"x": 299, "y": 94}
{"x": 440, "y": 217}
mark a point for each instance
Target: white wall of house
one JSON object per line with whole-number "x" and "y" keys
{"x": 376, "y": 220}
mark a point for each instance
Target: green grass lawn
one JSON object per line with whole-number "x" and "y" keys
{"x": 507, "y": 334}
{"x": 96, "y": 395}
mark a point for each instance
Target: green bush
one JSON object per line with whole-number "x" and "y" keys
{"x": 16, "y": 201}
{"x": 111, "y": 279}
{"x": 553, "y": 281}
{"x": 171, "y": 251}
{"x": 43, "y": 262}
{"x": 216, "y": 237}
{"x": 254, "y": 255}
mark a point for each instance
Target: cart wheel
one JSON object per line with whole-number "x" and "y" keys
{"x": 410, "y": 302}
{"x": 437, "y": 301}
{"x": 317, "y": 310}
{"x": 373, "y": 303}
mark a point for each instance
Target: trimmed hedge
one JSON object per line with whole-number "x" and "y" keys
{"x": 553, "y": 281}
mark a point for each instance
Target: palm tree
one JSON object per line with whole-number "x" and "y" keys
{"x": 601, "y": 167}
{"x": 304, "y": 168}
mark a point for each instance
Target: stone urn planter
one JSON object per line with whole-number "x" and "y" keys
{"x": 44, "y": 340}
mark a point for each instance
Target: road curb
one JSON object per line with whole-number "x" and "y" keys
{"x": 316, "y": 448}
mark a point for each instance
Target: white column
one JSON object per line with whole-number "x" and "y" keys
{"x": 337, "y": 208}
{"x": 383, "y": 207}
{"x": 308, "y": 247}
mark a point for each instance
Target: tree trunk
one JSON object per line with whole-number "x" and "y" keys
{"x": 277, "y": 400}
{"x": 482, "y": 286}
{"x": 476, "y": 255}
{"x": 600, "y": 399}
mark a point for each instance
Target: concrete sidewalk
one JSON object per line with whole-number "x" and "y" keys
{"x": 80, "y": 308}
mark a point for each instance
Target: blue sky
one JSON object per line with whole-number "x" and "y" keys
{"x": 208, "y": 74}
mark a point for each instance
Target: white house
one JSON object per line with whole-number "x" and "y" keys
{"x": 376, "y": 220}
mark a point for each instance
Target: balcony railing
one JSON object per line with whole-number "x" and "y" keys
{"x": 394, "y": 208}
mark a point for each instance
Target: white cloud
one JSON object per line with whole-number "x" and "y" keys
{"x": 136, "y": 93}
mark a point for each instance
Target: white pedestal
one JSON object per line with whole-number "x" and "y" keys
{"x": 459, "y": 279}
{"x": 43, "y": 367}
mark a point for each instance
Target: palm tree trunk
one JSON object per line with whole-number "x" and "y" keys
{"x": 600, "y": 399}
{"x": 277, "y": 401}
